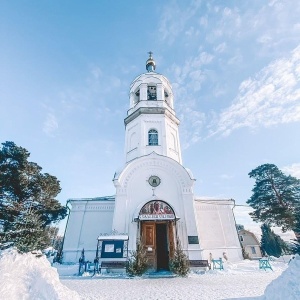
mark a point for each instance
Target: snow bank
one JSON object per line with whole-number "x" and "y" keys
{"x": 287, "y": 285}
{"x": 25, "y": 276}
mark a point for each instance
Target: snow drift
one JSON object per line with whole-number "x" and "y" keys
{"x": 287, "y": 285}
{"x": 25, "y": 276}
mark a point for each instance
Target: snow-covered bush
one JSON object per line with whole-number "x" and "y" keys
{"x": 137, "y": 263}
{"x": 179, "y": 264}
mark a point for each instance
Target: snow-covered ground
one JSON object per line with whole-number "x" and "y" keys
{"x": 236, "y": 281}
{"x": 27, "y": 277}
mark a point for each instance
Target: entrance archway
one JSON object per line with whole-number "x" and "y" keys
{"x": 157, "y": 231}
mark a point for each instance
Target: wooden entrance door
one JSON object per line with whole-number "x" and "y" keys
{"x": 158, "y": 239}
{"x": 148, "y": 236}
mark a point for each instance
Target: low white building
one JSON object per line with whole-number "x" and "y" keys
{"x": 250, "y": 243}
{"x": 154, "y": 198}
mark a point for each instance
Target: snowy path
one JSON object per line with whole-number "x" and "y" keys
{"x": 208, "y": 286}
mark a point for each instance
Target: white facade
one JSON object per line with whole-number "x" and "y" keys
{"x": 154, "y": 199}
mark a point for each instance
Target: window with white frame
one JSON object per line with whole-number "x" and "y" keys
{"x": 152, "y": 137}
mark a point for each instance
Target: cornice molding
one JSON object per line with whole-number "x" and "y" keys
{"x": 152, "y": 111}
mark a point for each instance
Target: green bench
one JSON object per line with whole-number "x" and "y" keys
{"x": 217, "y": 264}
{"x": 264, "y": 264}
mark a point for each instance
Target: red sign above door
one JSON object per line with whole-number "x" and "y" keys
{"x": 156, "y": 210}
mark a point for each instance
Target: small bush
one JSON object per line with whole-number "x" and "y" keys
{"x": 137, "y": 263}
{"x": 180, "y": 262}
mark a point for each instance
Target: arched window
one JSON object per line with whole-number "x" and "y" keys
{"x": 152, "y": 137}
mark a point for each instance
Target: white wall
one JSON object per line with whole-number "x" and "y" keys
{"x": 216, "y": 228}
{"x": 87, "y": 220}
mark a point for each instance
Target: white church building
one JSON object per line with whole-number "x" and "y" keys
{"x": 154, "y": 200}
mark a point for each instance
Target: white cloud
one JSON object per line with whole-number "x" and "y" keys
{"x": 271, "y": 97}
{"x": 187, "y": 81}
{"x": 192, "y": 32}
{"x": 50, "y": 125}
{"x": 195, "y": 120}
{"x": 93, "y": 94}
{"x": 190, "y": 74}
{"x": 293, "y": 170}
{"x": 175, "y": 18}
{"x": 226, "y": 176}
{"x": 234, "y": 36}
{"x": 220, "y": 48}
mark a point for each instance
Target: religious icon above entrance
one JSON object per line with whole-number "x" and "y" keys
{"x": 156, "y": 210}
{"x": 154, "y": 181}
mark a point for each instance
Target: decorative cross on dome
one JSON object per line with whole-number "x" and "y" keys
{"x": 150, "y": 63}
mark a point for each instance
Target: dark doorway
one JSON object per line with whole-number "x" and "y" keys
{"x": 162, "y": 247}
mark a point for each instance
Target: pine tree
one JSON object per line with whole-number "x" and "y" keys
{"x": 275, "y": 198}
{"x": 137, "y": 263}
{"x": 27, "y": 200}
{"x": 24, "y": 186}
{"x": 26, "y": 232}
{"x": 271, "y": 243}
{"x": 179, "y": 264}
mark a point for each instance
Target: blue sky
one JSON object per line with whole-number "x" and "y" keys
{"x": 66, "y": 67}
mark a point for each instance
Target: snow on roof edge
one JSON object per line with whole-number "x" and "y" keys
{"x": 122, "y": 237}
{"x": 104, "y": 198}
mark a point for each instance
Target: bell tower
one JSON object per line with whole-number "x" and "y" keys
{"x": 151, "y": 124}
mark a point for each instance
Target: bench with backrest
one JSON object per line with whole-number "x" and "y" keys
{"x": 199, "y": 264}
{"x": 112, "y": 265}
{"x": 217, "y": 264}
{"x": 264, "y": 264}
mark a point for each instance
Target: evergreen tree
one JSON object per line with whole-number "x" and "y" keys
{"x": 27, "y": 199}
{"x": 27, "y": 232}
{"x": 275, "y": 198}
{"x": 271, "y": 243}
{"x": 179, "y": 264}
{"x": 137, "y": 263}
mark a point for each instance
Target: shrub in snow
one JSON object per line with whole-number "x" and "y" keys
{"x": 287, "y": 285}
{"x": 26, "y": 277}
{"x": 179, "y": 264}
{"x": 137, "y": 263}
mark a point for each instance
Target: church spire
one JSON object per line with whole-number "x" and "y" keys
{"x": 150, "y": 63}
